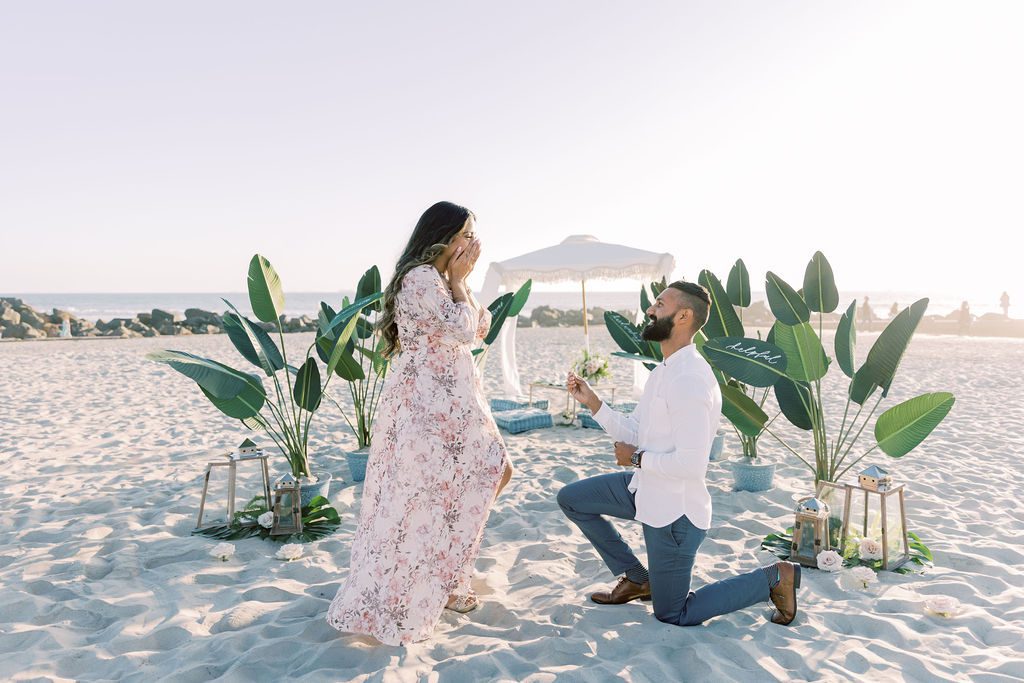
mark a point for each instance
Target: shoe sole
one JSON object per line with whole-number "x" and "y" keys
{"x": 596, "y": 602}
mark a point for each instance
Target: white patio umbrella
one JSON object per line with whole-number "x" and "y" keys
{"x": 578, "y": 258}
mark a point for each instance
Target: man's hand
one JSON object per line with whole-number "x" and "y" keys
{"x": 581, "y": 391}
{"x": 624, "y": 453}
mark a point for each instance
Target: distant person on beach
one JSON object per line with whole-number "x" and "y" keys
{"x": 867, "y": 316}
{"x": 665, "y": 444}
{"x": 1004, "y": 303}
{"x": 964, "y": 318}
{"x": 437, "y": 460}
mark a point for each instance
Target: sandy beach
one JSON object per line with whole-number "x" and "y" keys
{"x": 102, "y": 452}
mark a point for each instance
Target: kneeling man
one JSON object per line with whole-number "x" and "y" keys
{"x": 666, "y": 443}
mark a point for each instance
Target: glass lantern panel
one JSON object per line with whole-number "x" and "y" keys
{"x": 215, "y": 510}
{"x": 805, "y": 546}
{"x": 834, "y": 495}
{"x": 894, "y": 528}
{"x": 865, "y": 516}
{"x": 249, "y": 486}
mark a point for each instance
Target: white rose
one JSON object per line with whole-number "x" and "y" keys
{"x": 223, "y": 551}
{"x": 289, "y": 552}
{"x": 830, "y": 561}
{"x": 870, "y": 549}
{"x": 942, "y": 605}
{"x": 266, "y": 520}
{"x": 863, "y": 576}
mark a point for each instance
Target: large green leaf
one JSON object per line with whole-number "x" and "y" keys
{"x": 307, "y": 390}
{"x": 742, "y": 411}
{"x": 645, "y": 301}
{"x": 340, "y": 350}
{"x": 901, "y": 428}
{"x": 344, "y": 362}
{"x": 751, "y": 361}
{"x": 738, "y": 285}
{"x": 846, "y": 340}
{"x": 819, "y": 290}
{"x": 369, "y": 284}
{"x": 265, "y": 293}
{"x": 722, "y": 318}
{"x": 520, "y": 298}
{"x": 789, "y": 393}
{"x": 499, "y": 309}
{"x": 886, "y": 353}
{"x": 806, "y": 361}
{"x": 324, "y": 317}
{"x": 624, "y": 333}
{"x": 364, "y": 328}
{"x": 699, "y": 340}
{"x": 862, "y": 386}
{"x": 786, "y": 304}
{"x": 245, "y": 406}
{"x": 220, "y": 380}
{"x": 347, "y": 313}
{"x": 268, "y": 357}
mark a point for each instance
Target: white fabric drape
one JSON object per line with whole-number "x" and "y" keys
{"x": 575, "y": 259}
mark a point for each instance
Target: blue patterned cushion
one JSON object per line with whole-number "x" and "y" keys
{"x": 498, "y": 404}
{"x": 587, "y": 420}
{"x": 523, "y": 420}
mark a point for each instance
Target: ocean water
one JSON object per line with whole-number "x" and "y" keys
{"x": 93, "y": 306}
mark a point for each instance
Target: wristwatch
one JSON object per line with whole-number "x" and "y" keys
{"x": 637, "y": 456}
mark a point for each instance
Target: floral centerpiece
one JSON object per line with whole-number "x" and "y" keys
{"x": 591, "y": 366}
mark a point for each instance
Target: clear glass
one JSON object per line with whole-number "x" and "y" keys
{"x": 833, "y": 495}
{"x": 894, "y": 529}
{"x": 805, "y": 546}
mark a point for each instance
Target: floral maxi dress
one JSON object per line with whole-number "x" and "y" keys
{"x": 436, "y": 458}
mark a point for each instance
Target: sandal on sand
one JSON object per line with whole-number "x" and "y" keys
{"x": 463, "y": 603}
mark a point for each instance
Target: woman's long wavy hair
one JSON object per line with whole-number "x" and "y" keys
{"x": 435, "y": 230}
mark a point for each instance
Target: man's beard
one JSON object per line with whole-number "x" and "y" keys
{"x": 658, "y": 330}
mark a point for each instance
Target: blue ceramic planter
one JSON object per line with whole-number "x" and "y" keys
{"x": 357, "y": 463}
{"x": 747, "y": 477}
{"x": 310, "y": 491}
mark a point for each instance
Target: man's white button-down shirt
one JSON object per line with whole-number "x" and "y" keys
{"x": 674, "y": 424}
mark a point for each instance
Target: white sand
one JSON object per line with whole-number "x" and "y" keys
{"x": 101, "y": 454}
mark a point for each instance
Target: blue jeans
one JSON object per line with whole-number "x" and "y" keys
{"x": 671, "y": 552}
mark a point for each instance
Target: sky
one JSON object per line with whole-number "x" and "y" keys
{"x": 154, "y": 147}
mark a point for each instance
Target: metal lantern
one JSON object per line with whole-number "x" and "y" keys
{"x": 810, "y": 531}
{"x": 870, "y": 509}
{"x": 875, "y": 478}
{"x": 287, "y": 508}
{"x": 244, "y": 454}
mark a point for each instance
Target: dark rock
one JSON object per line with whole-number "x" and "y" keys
{"x": 11, "y": 301}
{"x": 30, "y": 317}
{"x": 159, "y": 317}
{"x": 144, "y": 318}
{"x": 201, "y": 317}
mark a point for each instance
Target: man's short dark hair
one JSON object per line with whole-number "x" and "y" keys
{"x": 696, "y": 298}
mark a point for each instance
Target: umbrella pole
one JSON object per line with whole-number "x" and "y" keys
{"x": 586, "y": 327}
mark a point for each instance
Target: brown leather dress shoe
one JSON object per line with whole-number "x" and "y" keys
{"x": 624, "y": 591}
{"x": 784, "y": 595}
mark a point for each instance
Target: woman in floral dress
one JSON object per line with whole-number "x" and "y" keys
{"x": 437, "y": 460}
